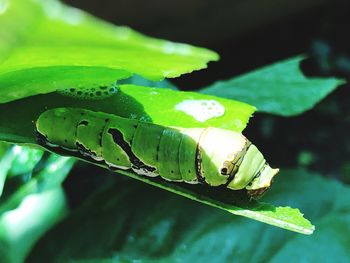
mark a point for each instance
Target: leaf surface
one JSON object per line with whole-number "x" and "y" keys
{"x": 179, "y": 229}
{"x": 280, "y": 88}
{"x": 48, "y": 46}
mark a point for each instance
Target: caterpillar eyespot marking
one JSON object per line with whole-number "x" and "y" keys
{"x": 211, "y": 156}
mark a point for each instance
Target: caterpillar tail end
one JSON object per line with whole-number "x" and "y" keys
{"x": 262, "y": 183}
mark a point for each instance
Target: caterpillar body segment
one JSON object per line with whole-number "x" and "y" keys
{"x": 213, "y": 156}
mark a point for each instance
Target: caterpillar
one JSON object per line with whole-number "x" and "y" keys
{"x": 211, "y": 156}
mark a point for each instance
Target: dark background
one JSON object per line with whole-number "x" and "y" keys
{"x": 249, "y": 34}
{"x": 246, "y": 33}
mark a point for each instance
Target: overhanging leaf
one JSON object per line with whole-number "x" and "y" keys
{"x": 48, "y": 46}
{"x": 280, "y": 88}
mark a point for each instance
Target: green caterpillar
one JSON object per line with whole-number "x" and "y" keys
{"x": 213, "y": 156}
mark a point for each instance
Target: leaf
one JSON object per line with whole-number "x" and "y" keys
{"x": 24, "y": 160}
{"x": 280, "y": 88}
{"x": 48, "y": 175}
{"x": 22, "y": 227}
{"x": 16, "y": 161}
{"x": 180, "y": 230}
{"x": 48, "y": 46}
{"x": 235, "y": 117}
{"x": 229, "y": 201}
{"x": 160, "y": 106}
{"x": 3, "y": 148}
{"x": 5, "y": 166}
{"x": 33, "y": 199}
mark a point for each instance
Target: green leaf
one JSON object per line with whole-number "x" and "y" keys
{"x": 280, "y": 88}
{"x": 22, "y": 227}
{"x": 16, "y": 161}
{"x": 180, "y": 230}
{"x": 24, "y": 160}
{"x": 33, "y": 199}
{"x": 160, "y": 106}
{"x": 48, "y": 46}
{"x": 5, "y": 165}
{"x": 229, "y": 201}
{"x": 234, "y": 117}
{"x": 3, "y": 148}
{"x": 49, "y": 175}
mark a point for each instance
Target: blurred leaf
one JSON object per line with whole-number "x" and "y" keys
{"x": 54, "y": 171}
{"x": 5, "y": 166}
{"x": 34, "y": 204}
{"x": 48, "y": 46}
{"x": 160, "y": 106}
{"x": 3, "y": 148}
{"x": 280, "y": 88}
{"x": 25, "y": 159}
{"x": 22, "y": 227}
{"x": 17, "y": 160}
{"x": 159, "y": 226}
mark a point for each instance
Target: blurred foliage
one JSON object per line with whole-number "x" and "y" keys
{"x": 33, "y": 200}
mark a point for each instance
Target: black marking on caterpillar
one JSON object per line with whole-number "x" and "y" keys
{"x": 138, "y": 164}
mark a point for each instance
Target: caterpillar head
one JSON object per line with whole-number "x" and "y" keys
{"x": 229, "y": 158}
